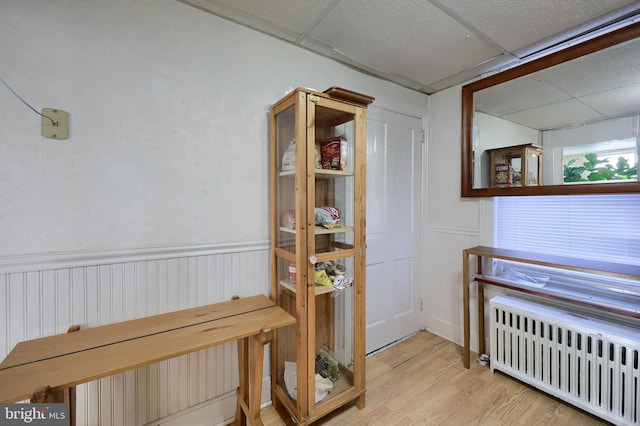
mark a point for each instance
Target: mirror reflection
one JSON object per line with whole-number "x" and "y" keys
{"x": 573, "y": 123}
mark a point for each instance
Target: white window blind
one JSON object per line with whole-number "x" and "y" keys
{"x": 600, "y": 227}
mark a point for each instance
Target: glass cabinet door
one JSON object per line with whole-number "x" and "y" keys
{"x": 318, "y": 251}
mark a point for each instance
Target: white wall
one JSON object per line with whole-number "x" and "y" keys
{"x": 454, "y": 223}
{"x": 168, "y": 109}
{"x": 167, "y": 159}
{"x": 168, "y": 141}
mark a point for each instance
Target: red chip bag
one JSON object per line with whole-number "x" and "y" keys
{"x": 333, "y": 153}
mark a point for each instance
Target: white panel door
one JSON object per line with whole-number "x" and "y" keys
{"x": 394, "y": 204}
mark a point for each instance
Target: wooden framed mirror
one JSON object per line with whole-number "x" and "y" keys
{"x": 566, "y": 123}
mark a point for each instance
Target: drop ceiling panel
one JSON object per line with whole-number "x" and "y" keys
{"x": 520, "y": 94}
{"x": 605, "y": 70}
{"x": 617, "y": 102}
{"x": 425, "y": 45}
{"x": 270, "y": 16}
{"x": 555, "y": 115}
{"x": 516, "y": 24}
{"x": 413, "y": 39}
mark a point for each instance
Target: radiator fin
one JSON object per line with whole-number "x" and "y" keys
{"x": 589, "y": 363}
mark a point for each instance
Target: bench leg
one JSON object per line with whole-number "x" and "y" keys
{"x": 250, "y": 362}
{"x": 46, "y": 395}
{"x": 242, "y": 394}
{"x": 68, "y": 395}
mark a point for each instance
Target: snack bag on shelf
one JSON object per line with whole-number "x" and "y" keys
{"x": 333, "y": 152}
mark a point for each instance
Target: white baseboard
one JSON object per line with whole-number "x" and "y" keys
{"x": 449, "y": 331}
{"x": 216, "y": 412}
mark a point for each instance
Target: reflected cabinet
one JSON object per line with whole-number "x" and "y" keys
{"x": 516, "y": 165}
{"x": 318, "y": 252}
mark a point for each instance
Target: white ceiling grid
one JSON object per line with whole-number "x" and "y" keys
{"x": 426, "y": 45}
{"x": 414, "y": 44}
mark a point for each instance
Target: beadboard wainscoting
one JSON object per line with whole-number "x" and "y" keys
{"x": 43, "y": 295}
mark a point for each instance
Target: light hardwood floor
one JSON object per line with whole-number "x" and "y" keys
{"x": 421, "y": 381}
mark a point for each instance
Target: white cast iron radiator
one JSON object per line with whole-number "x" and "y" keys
{"x": 589, "y": 363}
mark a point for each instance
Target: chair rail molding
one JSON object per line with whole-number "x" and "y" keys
{"x": 48, "y": 261}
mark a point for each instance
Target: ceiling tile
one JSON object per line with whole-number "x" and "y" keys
{"x": 424, "y": 45}
{"x": 517, "y": 95}
{"x": 604, "y": 70}
{"x": 404, "y": 37}
{"x": 291, "y": 15}
{"x": 616, "y": 103}
{"x": 555, "y": 115}
{"x": 516, "y": 24}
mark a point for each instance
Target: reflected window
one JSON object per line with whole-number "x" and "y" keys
{"x": 610, "y": 161}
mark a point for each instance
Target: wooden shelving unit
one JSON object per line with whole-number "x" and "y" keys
{"x": 326, "y": 320}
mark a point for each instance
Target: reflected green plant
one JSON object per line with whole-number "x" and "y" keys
{"x": 594, "y": 169}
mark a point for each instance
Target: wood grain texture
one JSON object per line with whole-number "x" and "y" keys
{"x": 115, "y": 354}
{"x": 421, "y": 381}
{"x": 83, "y": 339}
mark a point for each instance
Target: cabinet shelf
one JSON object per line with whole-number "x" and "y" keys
{"x": 343, "y": 384}
{"x": 321, "y": 173}
{"x": 320, "y": 230}
{"x": 319, "y": 289}
{"x": 332, "y": 174}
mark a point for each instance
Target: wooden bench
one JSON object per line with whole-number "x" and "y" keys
{"x": 49, "y": 368}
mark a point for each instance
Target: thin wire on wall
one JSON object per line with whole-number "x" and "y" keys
{"x": 26, "y": 103}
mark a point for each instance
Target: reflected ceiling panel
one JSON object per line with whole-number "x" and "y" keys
{"x": 602, "y": 85}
